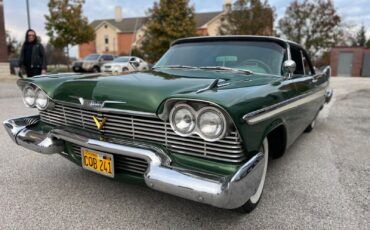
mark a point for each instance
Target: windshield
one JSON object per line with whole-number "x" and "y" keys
{"x": 257, "y": 57}
{"x": 121, "y": 59}
{"x": 92, "y": 57}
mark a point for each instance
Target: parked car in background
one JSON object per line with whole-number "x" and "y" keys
{"x": 202, "y": 124}
{"x": 92, "y": 63}
{"x": 125, "y": 64}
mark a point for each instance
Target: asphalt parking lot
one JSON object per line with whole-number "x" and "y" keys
{"x": 322, "y": 182}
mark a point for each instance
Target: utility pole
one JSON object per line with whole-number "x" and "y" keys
{"x": 28, "y": 15}
{"x": 3, "y": 46}
{"x": 133, "y": 36}
{"x": 4, "y": 64}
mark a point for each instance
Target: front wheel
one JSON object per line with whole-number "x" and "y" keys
{"x": 255, "y": 198}
{"x": 311, "y": 126}
{"x": 96, "y": 69}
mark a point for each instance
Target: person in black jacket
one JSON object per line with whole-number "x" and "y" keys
{"x": 32, "y": 58}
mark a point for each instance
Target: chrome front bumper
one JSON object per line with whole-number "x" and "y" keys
{"x": 328, "y": 95}
{"x": 221, "y": 191}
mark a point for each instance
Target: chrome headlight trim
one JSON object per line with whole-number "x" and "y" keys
{"x": 197, "y": 113}
{"x": 31, "y": 90}
{"x": 223, "y": 123}
{"x": 192, "y": 112}
{"x": 36, "y": 91}
{"x": 41, "y": 95}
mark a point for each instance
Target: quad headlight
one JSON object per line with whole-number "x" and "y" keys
{"x": 42, "y": 100}
{"x": 211, "y": 124}
{"x": 29, "y": 96}
{"x": 208, "y": 122}
{"x": 182, "y": 119}
{"x": 35, "y": 97}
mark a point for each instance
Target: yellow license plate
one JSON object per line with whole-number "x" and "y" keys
{"x": 98, "y": 162}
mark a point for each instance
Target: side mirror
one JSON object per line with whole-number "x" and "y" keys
{"x": 289, "y": 67}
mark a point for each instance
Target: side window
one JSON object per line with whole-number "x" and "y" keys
{"x": 106, "y": 39}
{"x": 107, "y": 57}
{"x": 297, "y": 57}
{"x": 308, "y": 70}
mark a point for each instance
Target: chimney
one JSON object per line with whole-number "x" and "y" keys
{"x": 118, "y": 13}
{"x": 227, "y": 5}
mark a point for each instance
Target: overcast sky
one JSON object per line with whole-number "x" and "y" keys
{"x": 355, "y": 12}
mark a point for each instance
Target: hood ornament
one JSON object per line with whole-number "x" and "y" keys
{"x": 99, "y": 124}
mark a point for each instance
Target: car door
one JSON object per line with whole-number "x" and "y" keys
{"x": 305, "y": 82}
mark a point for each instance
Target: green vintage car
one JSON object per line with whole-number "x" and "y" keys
{"x": 200, "y": 125}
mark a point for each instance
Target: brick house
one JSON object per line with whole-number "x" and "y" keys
{"x": 350, "y": 61}
{"x": 119, "y": 35}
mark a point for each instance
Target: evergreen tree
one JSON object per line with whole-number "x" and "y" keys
{"x": 250, "y": 17}
{"x": 360, "y": 39}
{"x": 13, "y": 45}
{"x": 168, "y": 20}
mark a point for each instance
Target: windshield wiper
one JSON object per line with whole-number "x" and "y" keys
{"x": 224, "y": 68}
{"x": 176, "y": 67}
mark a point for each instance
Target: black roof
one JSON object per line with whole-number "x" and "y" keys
{"x": 280, "y": 41}
{"x": 129, "y": 24}
{"x": 230, "y": 38}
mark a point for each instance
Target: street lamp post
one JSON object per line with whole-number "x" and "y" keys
{"x": 28, "y": 15}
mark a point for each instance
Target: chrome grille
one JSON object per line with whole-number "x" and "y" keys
{"x": 136, "y": 127}
{"x": 121, "y": 163}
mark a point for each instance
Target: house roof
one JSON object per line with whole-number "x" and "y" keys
{"x": 129, "y": 24}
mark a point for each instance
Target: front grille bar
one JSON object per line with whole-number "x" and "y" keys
{"x": 229, "y": 149}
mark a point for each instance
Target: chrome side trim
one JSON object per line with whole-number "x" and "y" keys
{"x": 273, "y": 110}
{"x": 220, "y": 191}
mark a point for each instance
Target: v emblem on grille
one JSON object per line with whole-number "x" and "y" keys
{"x": 99, "y": 124}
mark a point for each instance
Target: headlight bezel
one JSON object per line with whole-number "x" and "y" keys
{"x": 49, "y": 103}
{"x": 197, "y": 111}
{"x": 176, "y": 108}
{"x": 33, "y": 90}
{"x": 36, "y": 92}
{"x": 223, "y": 123}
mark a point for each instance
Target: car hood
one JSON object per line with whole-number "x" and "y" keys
{"x": 145, "y": 91}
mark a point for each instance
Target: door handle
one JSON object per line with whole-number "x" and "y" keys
{"x": 315, "y": 79}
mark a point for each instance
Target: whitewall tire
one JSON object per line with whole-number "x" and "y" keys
{"x": 256, "y": 197}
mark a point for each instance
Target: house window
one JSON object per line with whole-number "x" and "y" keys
{"x": 106, "y": 39}
{"x": 105, "y": 26}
